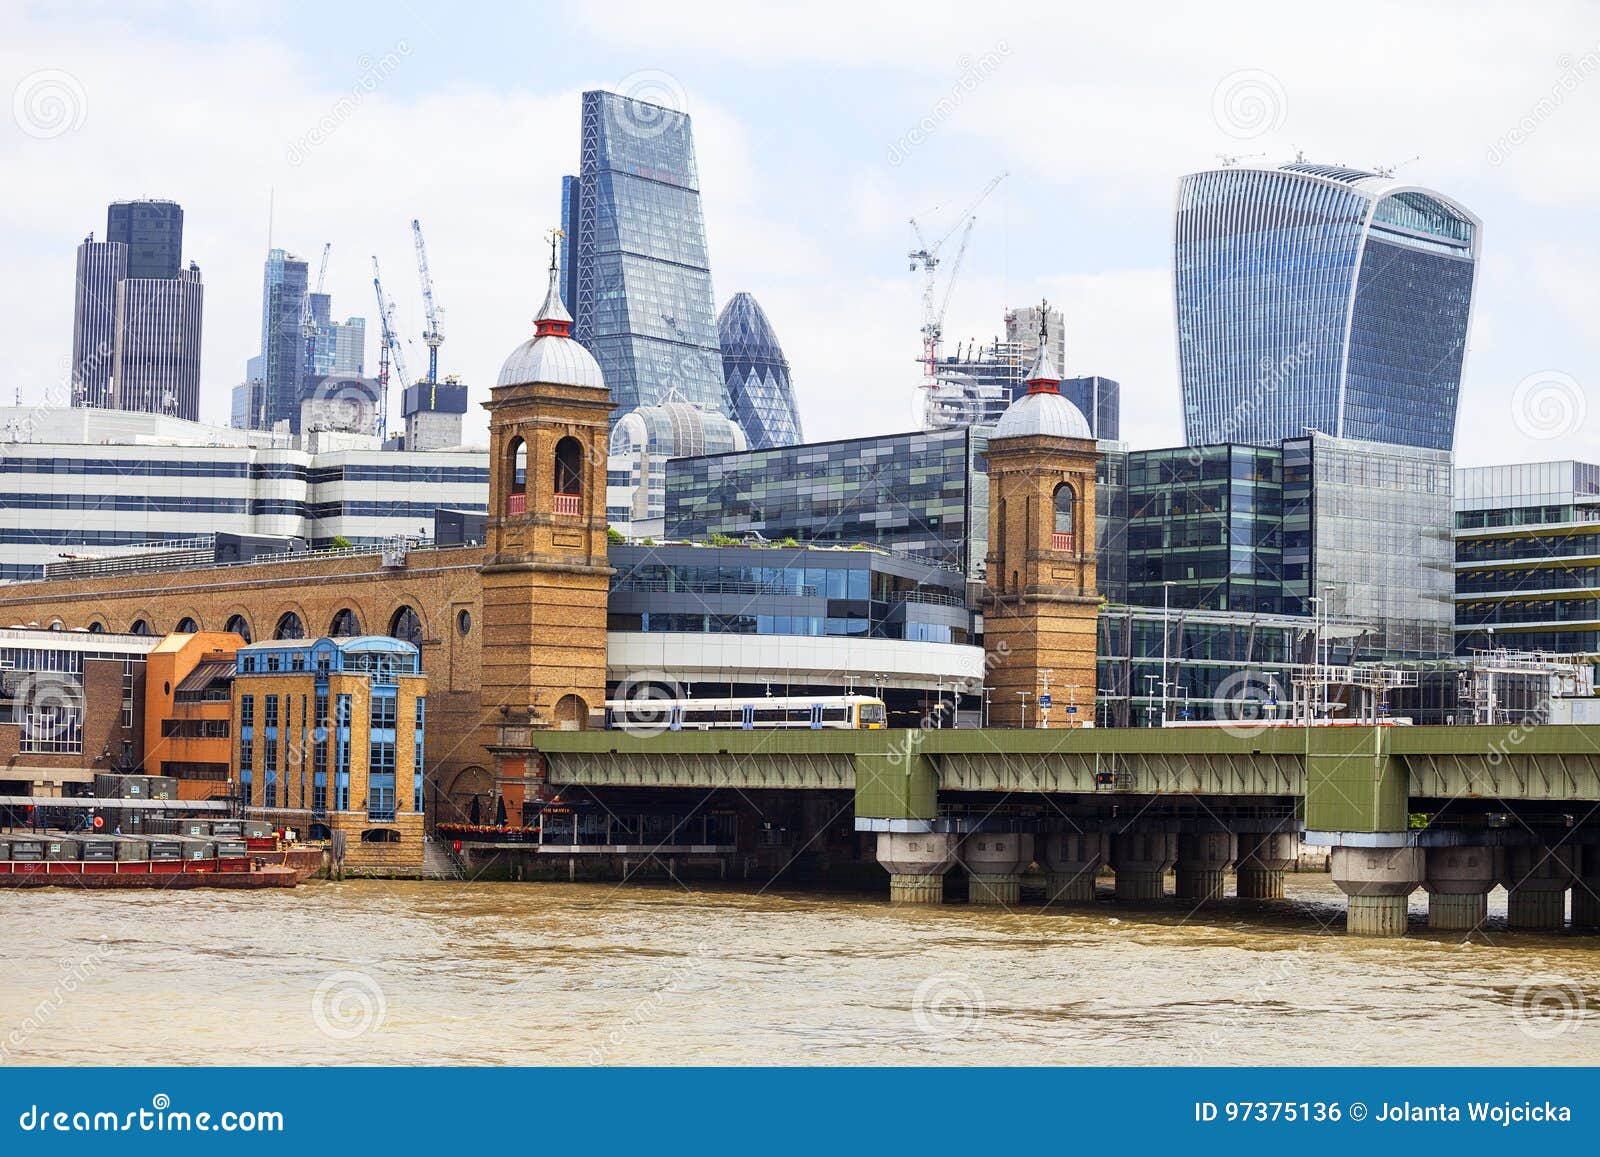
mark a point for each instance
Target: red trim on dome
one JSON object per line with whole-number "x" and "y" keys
{"x": 1043, "y": 386}
{"x": 552, "y": 327}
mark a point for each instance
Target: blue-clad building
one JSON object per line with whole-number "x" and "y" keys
{"x": 757, "y": 375}
{"x": 1317, "y": 297}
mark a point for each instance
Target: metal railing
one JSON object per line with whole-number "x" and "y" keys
{"x": 567, "y": 505}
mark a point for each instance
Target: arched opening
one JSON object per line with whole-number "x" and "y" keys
{"x": 517, "y": 472}
{"x": 406, "y": 625}
{"x": 572, "y": 713}
{"x": 345, "y": 624}
{"x": 380, "y": 836}
{"x": 186, "y": 626}
{"x": 237, "y": 625}
{"x": 96, "y": 627}
{"x": 139, "y": 627}
{"x": 289, "y": 627}
{"x": 1065, "y": 501}
{"x": 568, "y": 477}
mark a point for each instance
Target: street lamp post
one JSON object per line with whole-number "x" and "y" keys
{"x": 1166, "y": 633}
{"x": 1024, "y": 696}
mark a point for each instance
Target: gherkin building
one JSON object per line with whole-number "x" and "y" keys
{"x": 757, "y": 375}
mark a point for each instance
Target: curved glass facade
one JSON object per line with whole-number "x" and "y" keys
{"x": 640, "y": 280}
{"x": 1316, "y": 297}
{"x": 757, "y": 375}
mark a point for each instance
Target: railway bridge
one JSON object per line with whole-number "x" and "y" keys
{"x": 1453, "y": 810}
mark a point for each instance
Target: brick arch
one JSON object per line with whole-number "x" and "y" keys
{"x": 241, "y": 611}
{"x": 455, "y": 806}
{"x": 188, "y": 612}
{"x": 157, "y": 625}
{"x": 268, "y": 628}
{"x": 387, "y": 623}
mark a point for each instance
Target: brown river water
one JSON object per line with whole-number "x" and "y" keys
{"x": 368, "y": 972}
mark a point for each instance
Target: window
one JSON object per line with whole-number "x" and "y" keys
{"x": 464, "y": 622}
{"x": 238, "y": 626}
{"x": 186, "y": 626}
{"x": 383, "y": 712}
{"x": 289, "y": 627}
{"x": 139, "y": 627}
{"x": 345, "y": 624}
{"x": 272, "y": 711}
{"x": 247, "y": 710}
{"x": 406, "y": 626}
{"x": 569, "y": 468}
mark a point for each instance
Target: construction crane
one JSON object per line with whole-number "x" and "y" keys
{"x": 926, "y": 257}
{"x": 432, "y": 335}
{"x": 388, "y": 347}
{"x": 308, "y": 322}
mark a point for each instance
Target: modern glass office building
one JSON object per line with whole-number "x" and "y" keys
{"x": 639, "y": 277}
{"x": 924, "y": 494}
{"x": 283, "y": 346}
{"x": 1527, "y": 557}
{"x": 757, "y": 375}
{"x": 1316, "y": 297}
{"x": 153, "y": 232}
{"x": 1098, "y": 399}
{"x": 641, "y": 443}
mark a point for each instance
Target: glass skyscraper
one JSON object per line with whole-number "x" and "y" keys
{"x": 1324, "y": 298}
{"x": 757, "y": 375}
{"x": 639, "y": 281}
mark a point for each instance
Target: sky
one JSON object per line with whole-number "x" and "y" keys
{"x": 821, "y": 129}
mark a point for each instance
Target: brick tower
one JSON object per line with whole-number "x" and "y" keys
{"x": 545, "y": 577}
{"x": 1041, "y": 606}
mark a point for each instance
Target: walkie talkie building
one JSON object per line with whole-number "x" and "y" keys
{"x": 1317, "y": 297}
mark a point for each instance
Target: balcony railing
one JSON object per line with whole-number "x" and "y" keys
{"x": 516, "y": 504}
{"x": 1060, "y": 541}
{"x": 570, "y": 505}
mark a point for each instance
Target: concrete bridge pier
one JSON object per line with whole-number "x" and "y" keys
{"x": 1140, "y": 860}
{"x": 1202, "y": 865}
{"x": 916, "y": 863}
{"x": 1377, "y": 883}
{"x": 994, "y": 862}
{"x": 1586, "y": 889}
{"x": 1458, "y": 881}
{"x": 1263, "y": 859}
{"x": 1537, "y": 879}
{"x": 1071, "y": 860}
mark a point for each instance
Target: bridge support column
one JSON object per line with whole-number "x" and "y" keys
{"x": 1586, "y": 889}
{"x": 994, "y": 863}
{"x": 1377, "y": 883}
{"x": 1202, "y": 865}
{"x": 1071, "y": 860}
{"x": 1263, "y": 859}
{"x": 1141, "y": 860}
{"x": 916, "y": 863}
{"x": 1458, "y": 881}
{"x": 1537, "y": 879}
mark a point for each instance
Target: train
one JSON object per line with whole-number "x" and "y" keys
{"x": 814, "y": 712}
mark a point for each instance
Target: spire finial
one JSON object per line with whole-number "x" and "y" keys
{"x": 553, "y": 318}
{"x": 1043, "y": 378}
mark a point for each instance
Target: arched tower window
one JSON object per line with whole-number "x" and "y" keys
{"x": 345, "y": 624}
{"x": 186, "y": 626}
{"x": 1065, "y": 501}
{"x": 406, "y": 625}
{"x": 568, "y": 477}
{"x": 238, "y": 626}
{"x": 517, "y": 472}
{"x": 289, "y": 627}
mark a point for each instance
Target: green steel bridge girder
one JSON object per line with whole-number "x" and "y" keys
{"x": 1351, "y": 778}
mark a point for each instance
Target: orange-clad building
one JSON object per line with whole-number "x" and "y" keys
{"x": 188, "y": 712}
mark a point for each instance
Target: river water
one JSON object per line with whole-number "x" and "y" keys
{"x": 367, "y": 972}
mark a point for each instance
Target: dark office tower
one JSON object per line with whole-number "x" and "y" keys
{"x": 1100, "y": 400}
{"x": 644, "y": 306}
{"x": 1320, "y": 297}
{"x": 153, "y": 233}
{"x": 569, "y": 236}
{"x": 757, "y": 375}
{"x": 101, "y": 267}
{"x": 283, "y": 344}
{"x": 157, "y": 359}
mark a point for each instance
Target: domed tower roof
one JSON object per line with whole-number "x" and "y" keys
{"x": 551, "y": 355}
{"x": 745, "y": 332}
{"x": 1042, "y": 410}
